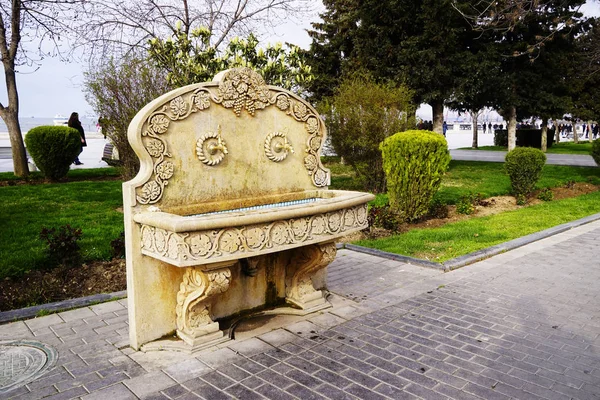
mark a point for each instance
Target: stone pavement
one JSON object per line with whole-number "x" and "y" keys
{"x": 523, "y": 325}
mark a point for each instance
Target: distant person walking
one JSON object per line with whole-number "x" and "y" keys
{"x": 444, "y": 128}
{"x": 76, "y": 124}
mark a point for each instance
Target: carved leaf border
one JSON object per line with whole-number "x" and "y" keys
{"x": 255, "y": 96}
{"x": 245, "y": 241}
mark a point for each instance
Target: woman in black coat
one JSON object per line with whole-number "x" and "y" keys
{"x": 76, "y": 124}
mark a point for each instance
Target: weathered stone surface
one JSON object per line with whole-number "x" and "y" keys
{"x": 230, "y": 211}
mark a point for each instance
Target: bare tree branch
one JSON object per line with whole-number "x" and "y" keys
{"x": 113, "y": 26}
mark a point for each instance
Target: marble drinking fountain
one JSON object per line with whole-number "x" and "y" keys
{"x": 230, "y": 212}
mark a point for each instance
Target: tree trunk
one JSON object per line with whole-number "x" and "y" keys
{"x": 438, "y": 115}
{"x": 474, "y": 117}
{"x": 10, "y": 116}
{"x": 511, "y": 119}
{"x": 556, "y": 133}
{"x": 544, "y": 134}
{"x": 575, "y": 135}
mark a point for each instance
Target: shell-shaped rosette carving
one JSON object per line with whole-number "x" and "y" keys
{"x": 277, "y": 146}
{"x": 211, "y": 148}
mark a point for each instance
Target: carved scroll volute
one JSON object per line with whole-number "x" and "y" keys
{"x": 307, "y": 262}
{"x": 194, "y": 318}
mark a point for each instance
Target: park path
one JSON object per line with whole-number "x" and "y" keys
{"x": 521, "y": 325}
{"x": 577, "y": 160}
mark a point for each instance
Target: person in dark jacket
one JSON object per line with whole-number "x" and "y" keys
{"x": 76, "y": 124}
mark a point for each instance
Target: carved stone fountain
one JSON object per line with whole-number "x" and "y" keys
{"x": 230, "y": 212}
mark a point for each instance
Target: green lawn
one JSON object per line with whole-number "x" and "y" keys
{"x": 25, "y": 209}
{"x": 463, "y": 237}
{"x": 91, "y": 203}
{"x": 583, "y": 147}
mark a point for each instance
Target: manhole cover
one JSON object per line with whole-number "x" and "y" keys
{"x": 22, "y": 361}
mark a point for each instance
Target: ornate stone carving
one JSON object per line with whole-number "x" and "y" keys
{"x": 211, "y": 148}
{"x": 277, "y": 146}
{"x": 305, "y": 263}
{"x": 194, "y": 320}
{"x": 158, "y": 124}
{"x": 246, "y": 241}
{"x": 243, "y": 88}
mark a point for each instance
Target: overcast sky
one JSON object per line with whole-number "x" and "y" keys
{"x": 55, "y": 88}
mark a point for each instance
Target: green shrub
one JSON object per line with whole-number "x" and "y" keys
{"x": 501, "y": 137}
{"x": 63, "y": 248}
{"x": 360, "y": 115}
{"x": 524, "y": 167}
{"x": 53, "y": 149}
{"x": 545, "y": 195}
{"x": 414, "y": 163}
{"x": 438, "y": 209}
{"x": 596, "y": 151}
{"x": 383, "y": 217}
{"x": 466, "y": 204}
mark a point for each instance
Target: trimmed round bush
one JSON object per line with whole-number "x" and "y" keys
{"x": 53, "y": 149}
{"x": 414, "y": 163}
{"x": 524, "y": 167}
{"x": 596, "y": 151}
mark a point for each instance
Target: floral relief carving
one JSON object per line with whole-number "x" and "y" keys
{"x": 243, "y": 88}
{"x": 158, "y": 124}
{"x": 156, "y": 148}
{"x": 193, "y": 310}
{"x": 178, "y": 106}
{"x": 307, "y": 261}
{"x": 202, "y": 100}
{"x": 283, "y": 102}
{"x": 240, "y": 89}
{"x": 212, "y": 245}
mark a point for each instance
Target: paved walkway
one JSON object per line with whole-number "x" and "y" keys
{"x": 498, "y": 156}
{"x": 521, "y": 325}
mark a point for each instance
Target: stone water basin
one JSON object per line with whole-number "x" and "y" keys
{"x": 228, "y": 230}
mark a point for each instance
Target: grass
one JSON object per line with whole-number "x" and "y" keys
{"x": 90, "y": 205}
{"x": 464, "y": 177}
{"x": 74, "y": 174}
{"x": 581, "y": 148}
{"x": 463, "y": 237}
{"x": 489, "y": 179}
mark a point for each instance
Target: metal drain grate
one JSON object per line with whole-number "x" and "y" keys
{"x": 22, "y": 361}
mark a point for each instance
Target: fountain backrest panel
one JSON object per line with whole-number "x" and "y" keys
{"x": 230, "y": 210}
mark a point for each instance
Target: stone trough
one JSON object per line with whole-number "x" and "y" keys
{"x": 230, "y": 212}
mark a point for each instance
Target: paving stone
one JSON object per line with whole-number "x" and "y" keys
{"x": 219, "y": 357}
{"x": 76, "y": 314}
{"x": 186, "y": 370}
{"x": 150, "y": 383}
{"x": 115, "y": 392}
{"x": 250, "y": 347}
{"x": 278, "y": 337}
{"x": 106, "y": 308}
{"x": 37, "y": 324}
{"x": 271, "y": 392}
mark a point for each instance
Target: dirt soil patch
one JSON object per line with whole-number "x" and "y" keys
{"x": 490, "y": 206}
{"x": 40, "y": 287}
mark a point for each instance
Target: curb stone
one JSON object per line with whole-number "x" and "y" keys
{"x": 30, "y": 312}
{"x": 478, "y": 255}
